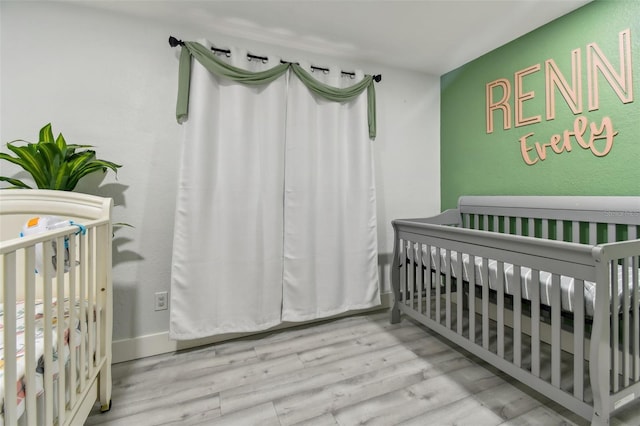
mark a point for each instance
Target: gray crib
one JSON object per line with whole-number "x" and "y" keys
{"x": 544, "y": 288}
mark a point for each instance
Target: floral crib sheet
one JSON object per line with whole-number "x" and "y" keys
{"x": 39, "y": 346}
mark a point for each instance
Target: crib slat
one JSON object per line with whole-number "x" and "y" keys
{"x": 406, "y": 297}
{"x": 485, "y": 222}
{"x": 500, "y": 291}
{"x": 611, "y": 232}
{"x": 419, "y": 278}
{"x": 82, "y": 255}
{"x": 496, "y": 223}
{"x": 615, "y": 369}
{"x": 578, "y": 339}
{"x": 518, "y": 226}
{"x": 517, "y": 316}
{"x": 30, "y": 331}
{"x": 575, "y": 231}
{"x": 48, "y": 335}
{"x": 555, "y": 302}
{"x": 535, "y": 323}
{"x": 72, "y": 321}
{"x": 403, "y": 272}
{"x": 485, "y": 303}
{"x": 428, "y": 281}
{"x": 10, "y": 374}
{"x": 593, "y": 233}
{"x": 545, "y": 229}
{"x": 636, "y": 319}
{"x": 560, "y": 230}
{"x": 60, "y": 327}
{"x": 91, "y": 296}
{"x": 448, "y": 289}
{"x": 99, "y": 294}
{"x": 472, "y": 297}
{"x": 438, "y": 281}
{"x": 531, "y": 226}
{"x": 459, "y": 291}
{"x": 626, "y": 346}
{"x": 417, "y": 293}
{"x": 411, "y": 274}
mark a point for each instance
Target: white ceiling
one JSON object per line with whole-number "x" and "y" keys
{"x": 432, "y": 36}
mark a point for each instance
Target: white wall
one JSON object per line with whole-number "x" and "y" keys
{"x": 111, "y": 80}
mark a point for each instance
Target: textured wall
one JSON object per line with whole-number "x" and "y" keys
{"x": 596, "y": 117}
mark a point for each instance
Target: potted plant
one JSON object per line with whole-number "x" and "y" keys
{"x": 53, "y": 163}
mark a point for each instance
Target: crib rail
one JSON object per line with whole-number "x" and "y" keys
{"x": 590, "y": 364}
{"x": 573, "y": 219}
{"x": 82, "y": 276}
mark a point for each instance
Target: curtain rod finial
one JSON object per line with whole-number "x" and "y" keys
{"x": 377, "y": 78}
{"x": 173, "y": 42}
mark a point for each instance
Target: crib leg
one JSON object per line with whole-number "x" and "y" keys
{"x": 395, "y": 314}
{"x": 395, "y": 286}
{"x": 395, "y": 279}
{"x": 105, "y": 388}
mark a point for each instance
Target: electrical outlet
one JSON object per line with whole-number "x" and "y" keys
{"x": 161, "y": 301}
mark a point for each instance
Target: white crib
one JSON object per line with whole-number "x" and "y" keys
{"x": 56, "y": 355}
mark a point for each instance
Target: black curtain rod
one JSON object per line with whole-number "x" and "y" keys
{"x": 173, "y": 42}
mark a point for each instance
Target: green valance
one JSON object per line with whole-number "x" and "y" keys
{"x": 213, "y": 64}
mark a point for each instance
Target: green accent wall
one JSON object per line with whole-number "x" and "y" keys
{"x": 475, "y": 162}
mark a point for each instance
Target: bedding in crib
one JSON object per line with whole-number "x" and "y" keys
{"x": 567, "y": 284}
{"x": 39, "y": 345}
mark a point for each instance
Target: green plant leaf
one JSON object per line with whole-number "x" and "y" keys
{"x": 76, "y": 163}
{"x": 61, "y": 179}
{"x": 46, "y": 134}
{"x": 52, "y": 158}
{"x": 81, "y": 158}
{"x": 62, "y": 145}
{"x": 89, "y": 166}
{"x": 31, "y": 162}
{"x": 15, "y": 182}
{"x": 71, "y": 148}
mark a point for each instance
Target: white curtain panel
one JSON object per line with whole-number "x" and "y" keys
{"x": 330, "y": 240}
{"x": 227, "y": 253}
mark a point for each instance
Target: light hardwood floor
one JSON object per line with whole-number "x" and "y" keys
{"x": 350, "y": 371}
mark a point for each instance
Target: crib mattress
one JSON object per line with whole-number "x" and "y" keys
{"x": 39, "y": 345}
{"x": 567, "y": 284}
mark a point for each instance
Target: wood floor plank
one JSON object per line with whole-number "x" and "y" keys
{"x": 173, "y": 367}
{"x": 259, "y": 415}
{"x": 506, "y": 401}
{"x": 325, "y": 400}
{"x": 324, "y": 420}
{"x": 143, "y": 404}
{"x": 463, "y": 412}
{"x": 542, "y": 416}
{"x": 318, "y": 338}
{"x": 365, "y": 343}
{"x": 360, "y": 369}
{"x": 162, "y": 412}
{"x": 374, "y": 320}
{"x": 311, "y": 378}
{"x": 402, "y": 405}
{"x": 211, "y": 380}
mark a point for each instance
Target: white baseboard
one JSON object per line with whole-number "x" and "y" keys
{"x": 159, "y": 343}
